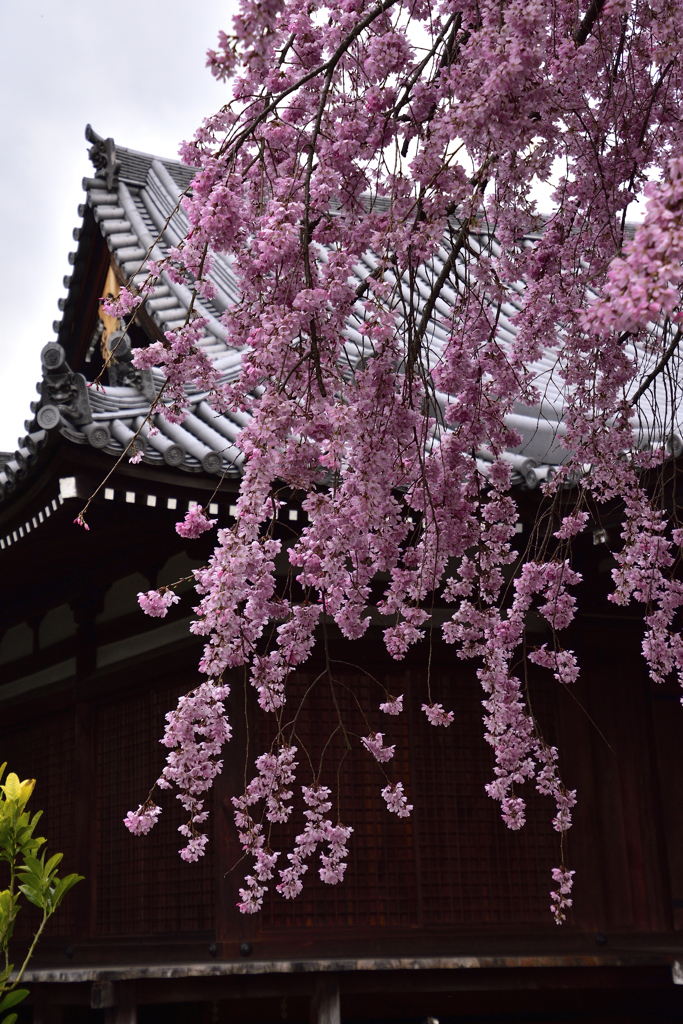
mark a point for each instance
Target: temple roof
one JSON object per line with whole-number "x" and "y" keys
{"x": 131, "y": 201}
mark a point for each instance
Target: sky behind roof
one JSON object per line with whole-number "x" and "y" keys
{"x": 134, "y": 70}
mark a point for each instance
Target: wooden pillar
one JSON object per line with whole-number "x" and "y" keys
{"x": 85, "y": 607}
{"x": 117, "y": 1000}
{"x": 85, "y": 820}
{"x": 325, "y": 1008}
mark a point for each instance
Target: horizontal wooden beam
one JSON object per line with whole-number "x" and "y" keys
{"x": 338, "y": 966}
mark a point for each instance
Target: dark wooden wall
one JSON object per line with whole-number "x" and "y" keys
{"x": 450, "y": 879}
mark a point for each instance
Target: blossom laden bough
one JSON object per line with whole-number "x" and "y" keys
{"x": 401, "y": 301}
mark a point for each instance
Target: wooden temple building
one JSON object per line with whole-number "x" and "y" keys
{"x": 444, "y": 916}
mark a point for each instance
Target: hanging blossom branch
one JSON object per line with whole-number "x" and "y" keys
{"x": 195, "y": 734}
{"x": 387, "y": 403}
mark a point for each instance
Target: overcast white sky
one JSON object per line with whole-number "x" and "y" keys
{"x": 135, "y": 70}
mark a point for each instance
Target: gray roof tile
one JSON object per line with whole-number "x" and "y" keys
{"x": 140, "y": 204}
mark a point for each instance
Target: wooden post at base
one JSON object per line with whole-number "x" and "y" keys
{"x": 117, "y": 1000}
{"x": 325, "y": 1008}
{"x": 48, "y": 1014}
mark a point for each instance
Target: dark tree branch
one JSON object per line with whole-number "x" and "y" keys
{"x": 659, "y": 367}
{"x": 586, "y": 27}
{"x": 416, "y": 340}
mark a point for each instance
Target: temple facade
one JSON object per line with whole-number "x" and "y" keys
{"x": 443, "y": 916}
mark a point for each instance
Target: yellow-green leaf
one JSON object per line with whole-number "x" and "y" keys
{"x": 12, "y": 788}
{"x": 27, "y": 787}
{"x": 16, "y": 790}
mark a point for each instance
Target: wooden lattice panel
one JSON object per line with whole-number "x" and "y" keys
{"x": 45, "y": 751}
{"x": 453, "y": 862}
{"x": 144, "y": 886}
{"x": 474, "y": 870}
{"x": 379, "y": 888}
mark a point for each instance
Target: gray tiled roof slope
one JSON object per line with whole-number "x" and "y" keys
{"x": 135, "y": 168}
{"x": 139, "y": 206}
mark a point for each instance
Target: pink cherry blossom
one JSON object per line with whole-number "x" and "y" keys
{"x": 141, "y": 821}
{"x": 564, "y": 881}
{"x": 374, "y": 743}
{"x": 436, "y": 715}
{"x": 156, "y": 603}
{"x": 393, "y": 706}
{"x": 396, "y": 800}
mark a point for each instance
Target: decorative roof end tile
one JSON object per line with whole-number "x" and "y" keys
{"x": 63, "y": 392}
{"x": 102, "y": 155}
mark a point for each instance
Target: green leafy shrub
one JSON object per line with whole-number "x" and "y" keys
{"x": 31, "y": 877}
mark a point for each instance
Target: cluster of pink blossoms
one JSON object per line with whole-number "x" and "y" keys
{"x": 494, "y": 636}
{"x": 396, "y": 800}
{"x": 393, "y": 706}
{"x": 396, "y": 418}
{"x": 183, "y": 362}
{"x": 564, "y": 880}
{"x": 195, "y": 523}
{"x": 141, "y": 821}
{"x": 318, "y": 829}
{"x": 276, "y": 774}
{"x": 374, "y": 743}
{"x": 647, "y": 281}
{"x": 436, "y": 715}
{"x": 156, "y": 603}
